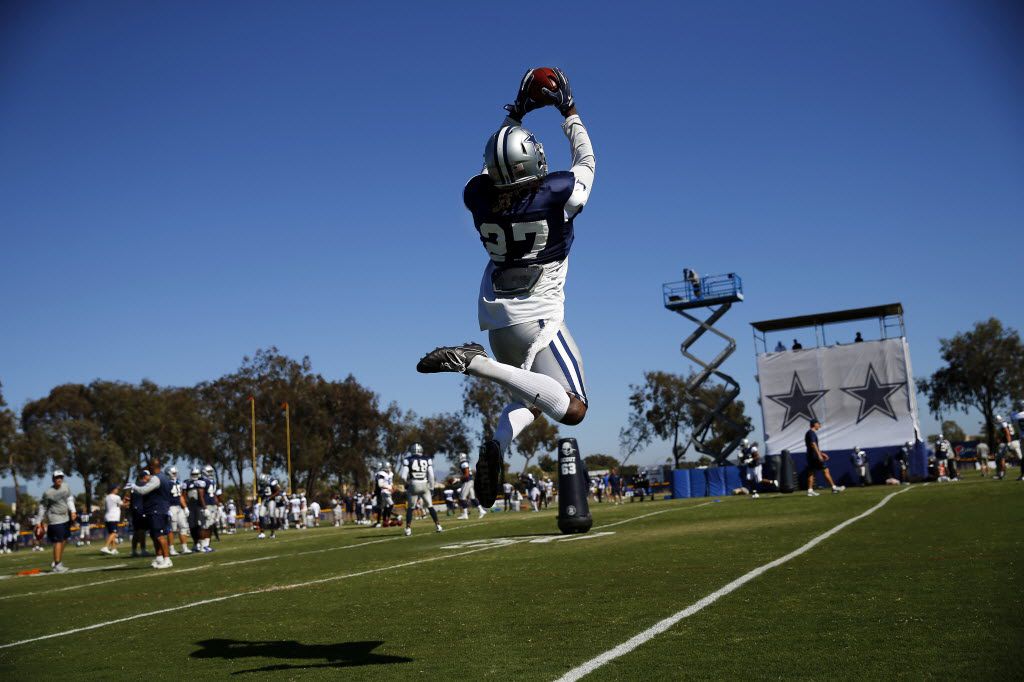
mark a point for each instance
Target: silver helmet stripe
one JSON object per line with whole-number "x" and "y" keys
{"x": 501, "y": 156}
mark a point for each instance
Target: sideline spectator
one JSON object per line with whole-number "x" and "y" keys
{"x": 57, "y": 511}
{"x": 797, "y": 345}
{"x": 779, "y": 347}
{"x": 816, "y": 461}
{"x": 981, "y": 454}
{"x": 858, "y": 338}
{"x": 112, "y": 504}
{"x": 615, "y": 483}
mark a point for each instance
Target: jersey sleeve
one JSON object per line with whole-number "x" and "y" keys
{"x": 583, "y": 164}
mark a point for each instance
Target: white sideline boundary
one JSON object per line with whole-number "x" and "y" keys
{"x": 663, "y": 625}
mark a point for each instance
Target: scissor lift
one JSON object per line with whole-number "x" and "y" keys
{"x": 716, "y": 293}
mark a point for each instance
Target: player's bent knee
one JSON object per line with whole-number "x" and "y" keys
{"x": 576, "y": 412}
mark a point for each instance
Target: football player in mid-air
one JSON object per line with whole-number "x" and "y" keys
{"x": 524, "y": 216}
{"x": 418, "y": 473}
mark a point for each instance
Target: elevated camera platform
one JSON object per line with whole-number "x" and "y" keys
{"x": 700, "y": 292}
{"x": 715, "y": 435}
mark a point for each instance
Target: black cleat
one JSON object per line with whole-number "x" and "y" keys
{"x": 449, "y": 358}
{"x": 490, "y": 470}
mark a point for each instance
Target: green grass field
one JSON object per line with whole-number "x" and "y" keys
{"x": 928, "y": 586}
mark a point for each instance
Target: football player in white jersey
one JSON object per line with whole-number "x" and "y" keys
{"x": 232, "y": 516}
{"x": 179, "y": 514}
{"x": 750, "y": 458}
{"x": 385, "y": 502}
{"x": 524, "y": 216}
{"x": 467, "y": 493}
{"x": 269, "y": 490}
{"x": 418, "y": 473}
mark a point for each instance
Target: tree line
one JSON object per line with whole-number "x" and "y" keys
{"x": 340, "y": 429}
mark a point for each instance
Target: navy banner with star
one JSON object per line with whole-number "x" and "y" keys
{"x": 862, "y": 393}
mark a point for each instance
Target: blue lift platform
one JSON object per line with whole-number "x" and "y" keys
{"x": 716, "y": 294}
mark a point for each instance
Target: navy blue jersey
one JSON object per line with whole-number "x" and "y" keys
{"x": 175, "y": 492}
{"x": 811, "y": 438}
{"x": 158, "y": 501}
{"x": 532, "y": 229}
{"x": 136, "y": 500}
{"x": 208, "y": 496}
{"x": 418, "y": 467}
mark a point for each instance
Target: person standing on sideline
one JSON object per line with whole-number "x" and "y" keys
{"x": 111, "y": 518}
{"x": 981, "y": 454}
{"x": 57, "y": 511}
{"x": 156, "y": 491}
{"x": 816, "y": 461}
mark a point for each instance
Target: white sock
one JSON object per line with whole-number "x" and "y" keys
{"x": 528, "y": 387}
{"x": 511, "y": 423}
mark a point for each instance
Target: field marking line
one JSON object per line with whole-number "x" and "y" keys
{"x": 654, "y": 513}
{"x": 147, "y": 574}
{"x": 273, "y": 588}
{"x": 663, "y": 625}
{"x": 43, "y": 574}
{"x": 156, "y": 574}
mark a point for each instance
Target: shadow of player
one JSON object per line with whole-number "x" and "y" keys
{"x": 339, "y": 655}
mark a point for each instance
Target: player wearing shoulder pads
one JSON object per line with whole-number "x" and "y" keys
{"x": 467, "y": 491}
{"x": 385, "y": 502}
{"x": 418, "y": 473}
{"x": 525, "y": 219}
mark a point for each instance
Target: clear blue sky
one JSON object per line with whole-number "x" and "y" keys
{"x": 183, "y": 183}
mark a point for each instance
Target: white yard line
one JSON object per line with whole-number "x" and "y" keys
{"x": 663, "y": 625}
{"x": 275, "y": 588}
{"x": 655, "y": 513}
{"x": 162, "y": 573}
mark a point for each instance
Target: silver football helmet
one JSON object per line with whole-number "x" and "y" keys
{"x": 463, "y": 457}
{"x": 194, "y": 474}
{"x": 208, "y": 471}
{"x": 513, "y": 157}
{"x": 416, "y": 449}
{"x": 173, "y": 472}
{"x": 745, "y": 442}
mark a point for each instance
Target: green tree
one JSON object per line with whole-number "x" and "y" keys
{"x": 483, "y": 400}
{"x": 661, "y": 408}
{"x": 952, "y": 431}
{"x": 541, "y": 434}
{"x": 984, "y": 370}
{"x": 599, "y": 461}
{"x": 547, "y": 464}
{"x": 443, "y": 434}
{"x": 64, "y": 429}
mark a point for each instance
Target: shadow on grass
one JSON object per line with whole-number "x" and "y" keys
{"x": 339, "y": 655}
